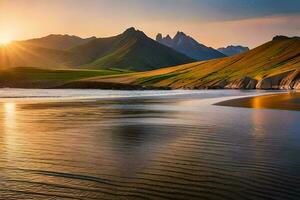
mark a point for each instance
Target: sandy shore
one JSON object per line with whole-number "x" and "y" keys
{"x": 286, "y": 101}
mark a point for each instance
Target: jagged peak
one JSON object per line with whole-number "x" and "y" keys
{"x": 181, "y": 37}
{"x": 168, "y": 37}
{"x": 130, "y": 30}
{"x": 180, "y": 34}
{"x": 159, "y": 37}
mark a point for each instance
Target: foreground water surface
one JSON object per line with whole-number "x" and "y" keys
{"x": 94, "y": 144}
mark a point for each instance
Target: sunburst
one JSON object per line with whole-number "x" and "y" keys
{"x": 5, "y": 40}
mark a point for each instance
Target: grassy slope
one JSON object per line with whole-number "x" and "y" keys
{"x": 131, "y": 50}
{"x": 269, "y": 59}
{"x": 21, "y": 54}
{"x": 44, "y": 78}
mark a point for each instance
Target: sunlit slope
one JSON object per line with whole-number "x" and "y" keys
{"x": 275, "y": 57}
{"x": 19, "y": 54}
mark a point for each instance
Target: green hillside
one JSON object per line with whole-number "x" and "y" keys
{"x": 43, "y": 78}
{"x": 131, "y": 50}
{"x": 273, "y": 65}
{"x": 279, "y": 56}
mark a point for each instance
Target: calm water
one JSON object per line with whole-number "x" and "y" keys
{"x": 93, "y": 144}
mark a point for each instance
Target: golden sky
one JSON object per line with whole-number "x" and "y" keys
{"x": 214, "y": 23}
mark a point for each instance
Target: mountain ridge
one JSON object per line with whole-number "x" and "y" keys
{"x": 273, "y": 65}
{"x": 131, "y": 49}
{"x": 189, "y": 46}
{"x": 233, "y": 50}
{"x": 58, "y": 41}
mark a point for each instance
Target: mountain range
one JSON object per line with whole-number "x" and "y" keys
{"x": 132, "y": 60}
{"x": 131, "y": 50}
{"x": 233, "y": 50}
{"x": 273, "y": 65}
{"x": 189, "y": 46}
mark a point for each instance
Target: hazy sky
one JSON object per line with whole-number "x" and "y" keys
{"x": 212, "y": 22}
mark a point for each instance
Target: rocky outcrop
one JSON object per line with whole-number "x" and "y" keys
{"x": 244, "y": 83}
{"x": 291, "y": 81}
{"x": 284, "y": 81}
{"x": 272, "y": 82}
{"x": 287, "y": 81}
{"x": 297, "y": 85}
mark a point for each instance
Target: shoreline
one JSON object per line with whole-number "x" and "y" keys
{"x": 281, "y": 101}
{"x": 256, "y": 100}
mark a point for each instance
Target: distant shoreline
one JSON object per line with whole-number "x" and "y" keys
{"x": 283, "y": 101}
{"x": 104, "y": 85}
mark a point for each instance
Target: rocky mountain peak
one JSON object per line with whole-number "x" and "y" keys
{"x": 159, "y": 37}
{"x": 168, "y": 37}
{"x": 180, "y": 34}
{"x": 130, "y": 30}
{"x": 134, "y": 32}
{"x": 189, "y": 46}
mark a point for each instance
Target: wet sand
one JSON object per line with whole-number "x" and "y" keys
{"x": 286, "y": 101}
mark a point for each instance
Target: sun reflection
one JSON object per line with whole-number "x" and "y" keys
{"x": 9, "y": 115}
{"x": 259, "y": 120}
{"x": 9, "y": 107}
{"x": 10, "y": 137}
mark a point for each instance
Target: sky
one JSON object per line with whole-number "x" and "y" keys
{"x": 215, "y": 23}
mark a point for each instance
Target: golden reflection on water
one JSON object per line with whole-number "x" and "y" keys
{"x": 257, "y": 103}
{"x": 9, "y": 123}
{"x": 258, "y": 119}
{"x": 285, "y": 101}
{"x": 9, "y": 110}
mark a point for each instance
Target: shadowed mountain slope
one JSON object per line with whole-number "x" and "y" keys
{"x": 190, "y": 47}
{"x": 131, "y": 50}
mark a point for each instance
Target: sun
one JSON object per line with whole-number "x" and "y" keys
{"x": 5, "y": 40}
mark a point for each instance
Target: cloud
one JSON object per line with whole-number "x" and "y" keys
{"x": 248, "y": 32}
{"x": 254, "y": 31}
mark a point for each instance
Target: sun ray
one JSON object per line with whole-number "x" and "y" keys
{"x": 5, "y": 41}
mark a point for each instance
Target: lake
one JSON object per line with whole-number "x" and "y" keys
{"x": 97, "y": 144}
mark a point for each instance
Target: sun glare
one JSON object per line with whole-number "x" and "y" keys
{"x": 5, "y": 41}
